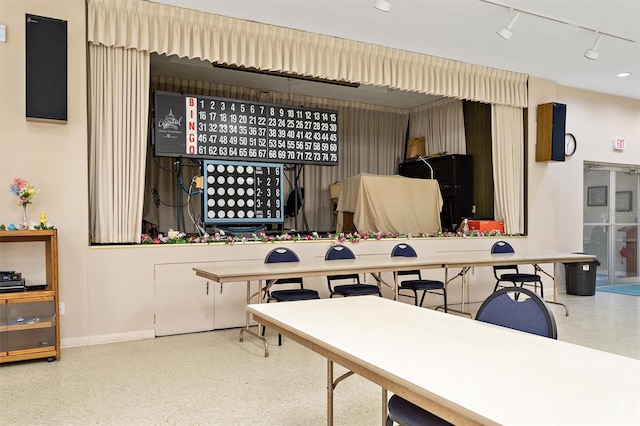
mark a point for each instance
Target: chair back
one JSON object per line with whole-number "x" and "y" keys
{"x": 405, "y": 250}
{"x": 503, "y": 247}
{"x": 529, "y": 314}
{"x": 338, "y": 252}
{"x": 280, "y": 255}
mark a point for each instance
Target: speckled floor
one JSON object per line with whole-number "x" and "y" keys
{"x": 211, "y": 378}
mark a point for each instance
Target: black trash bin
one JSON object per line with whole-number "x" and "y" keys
{"x": 581, "y": 277}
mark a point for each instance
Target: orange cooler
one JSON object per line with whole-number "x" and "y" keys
{"x": 486, "y": 225}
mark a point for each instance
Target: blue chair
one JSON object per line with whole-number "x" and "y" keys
{"x": 503, "y": 308}
{"x": 355, "y": 288}
{"x": 417, "y": 284}
{"x": 514, "y": 276}
{"x": 279, "y": 255}
{"x": 531, "y": 315}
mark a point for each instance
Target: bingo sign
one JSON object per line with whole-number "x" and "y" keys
{"x": 242, "y": 192}
{"x": 231, "y": 129}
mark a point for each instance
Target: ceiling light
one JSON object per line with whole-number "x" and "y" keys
{"x": 383, "y": 5}
{"x": 505, "y": 32}
{"x": 623, "y": 74}
{"x": 593, "y": 52}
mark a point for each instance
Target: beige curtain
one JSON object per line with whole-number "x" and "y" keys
{"x": 507, "y": 132}
{"x": 442, "y": 124}
{"x": 151, "y": 27}
{"x": 371, "y": 140}
{"x": 118, "y": 106}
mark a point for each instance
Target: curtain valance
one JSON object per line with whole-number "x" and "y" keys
{"x": 152, "y": 27}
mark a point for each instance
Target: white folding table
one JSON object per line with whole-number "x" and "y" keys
{"x": 478, "y": 373}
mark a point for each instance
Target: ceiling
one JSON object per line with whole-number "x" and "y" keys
{"x": 463, "y": 30}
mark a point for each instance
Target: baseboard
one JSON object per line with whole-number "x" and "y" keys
{"x": 107, "y": 338}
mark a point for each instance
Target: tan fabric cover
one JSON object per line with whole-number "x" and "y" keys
{"x": 391, "y": 204}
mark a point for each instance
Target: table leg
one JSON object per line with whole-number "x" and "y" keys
{"x": 384, "y": 407}
{"x": 463, "y": 275}
{"x": 329, "y": 392}
{"x": 248, "y": 319}
{"x": 555, "y": 288}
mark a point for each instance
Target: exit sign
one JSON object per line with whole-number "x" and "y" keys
{"x": 618, "y": 144}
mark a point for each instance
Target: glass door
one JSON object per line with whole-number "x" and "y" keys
{"x": 625, "y": 202}
{"x": 610, "y": 228}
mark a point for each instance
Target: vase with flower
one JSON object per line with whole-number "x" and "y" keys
{"x": 25, "y": 193}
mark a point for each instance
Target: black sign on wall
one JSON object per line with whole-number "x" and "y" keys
{"x": 219, "y": 128}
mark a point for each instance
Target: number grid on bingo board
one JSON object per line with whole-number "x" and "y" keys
{"x": 232, "y": 129}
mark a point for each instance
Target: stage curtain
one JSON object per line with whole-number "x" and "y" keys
{"x": 507, "y": 132}
{"x": 118, "y": 112}
{"x": 152, "y": 27}
{"x": 442, "y": 124}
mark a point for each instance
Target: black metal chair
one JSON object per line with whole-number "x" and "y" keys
{"x": 355, "y": 288}
{"x": 298, "y": 292}
{"x": 515, "y": 276}
{"x": 503, "y": 308}
{"x": 416, "y": 284}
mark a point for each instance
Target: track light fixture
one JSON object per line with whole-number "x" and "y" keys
{"x": 383, "y": 5}
{"x": 593, "y": 52}
{"x": 505, "y": 32}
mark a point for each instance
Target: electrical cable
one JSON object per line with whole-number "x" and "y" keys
{"x": 196, "y": 224}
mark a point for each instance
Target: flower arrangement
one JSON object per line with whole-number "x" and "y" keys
{"x": 23, "y": 190}
{"x": 262, "y": 237}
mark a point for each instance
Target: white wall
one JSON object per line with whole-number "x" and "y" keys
{"x": 595, "y": 120}
{"x": 53, "y": 157}
{"x": 109, "y": 292}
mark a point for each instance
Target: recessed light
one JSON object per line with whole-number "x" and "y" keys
{"x": 623, "y": 74}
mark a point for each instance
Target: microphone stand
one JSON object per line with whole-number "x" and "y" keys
{"x": 428, "y": 165}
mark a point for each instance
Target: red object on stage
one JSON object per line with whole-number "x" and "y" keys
{"x": 486, "y": 225}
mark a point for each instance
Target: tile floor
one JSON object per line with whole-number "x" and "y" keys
{"x": 210, "y": 378}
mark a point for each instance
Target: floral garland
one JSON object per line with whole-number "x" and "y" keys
{"x": 262, "y": 237}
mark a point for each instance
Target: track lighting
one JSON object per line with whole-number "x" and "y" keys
{"x": 505, "y": 32}
{"x": 383, "y": 5}
{"x": 593, "y": 52}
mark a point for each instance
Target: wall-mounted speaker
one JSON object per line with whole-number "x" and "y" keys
{"x": 46, "y": 69}
{"x": 550, "y": 132}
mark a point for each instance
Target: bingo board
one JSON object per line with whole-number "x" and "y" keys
{"x": 242, "y": 192}
{"x": 232, "y": 129}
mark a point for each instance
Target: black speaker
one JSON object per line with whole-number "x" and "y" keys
{"x": 46, "y": 69}
{"x": 551, "y": 129}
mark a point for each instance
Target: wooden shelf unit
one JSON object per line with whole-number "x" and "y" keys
{"x": 30, "y": 320}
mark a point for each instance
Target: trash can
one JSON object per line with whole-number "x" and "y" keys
{"x": 581, "y": 277}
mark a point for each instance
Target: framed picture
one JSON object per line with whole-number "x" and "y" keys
{"x": 623, "y": 201}
{"x": 597, "y": 195}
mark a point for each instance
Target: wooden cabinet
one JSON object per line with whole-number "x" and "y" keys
{"x": 454, "y": 174}
{"x": 29, "y": 320}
